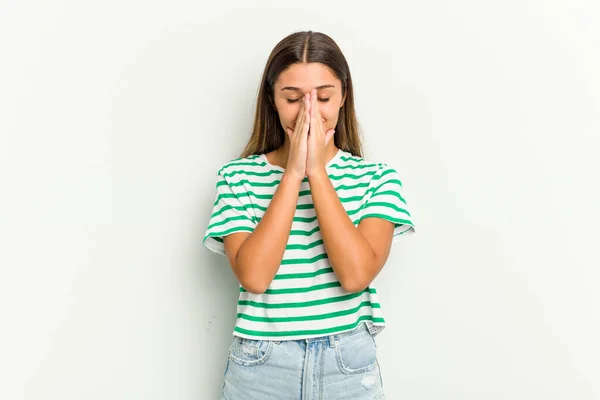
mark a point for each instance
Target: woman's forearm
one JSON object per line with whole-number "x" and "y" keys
{"x": 260, "y": 255}
{"x": 348, "y": 251}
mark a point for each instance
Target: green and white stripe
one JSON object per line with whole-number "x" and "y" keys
{"x": 305, "y": 299}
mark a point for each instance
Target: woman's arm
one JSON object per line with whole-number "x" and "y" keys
{"x": 357, "y": 254}
{"x": 255, "y": 257}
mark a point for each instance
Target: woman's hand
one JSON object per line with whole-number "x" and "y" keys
{"x": 296, "y": 165}
{"x": 317, "y": 140}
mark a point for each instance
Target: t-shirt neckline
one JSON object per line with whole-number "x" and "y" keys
{"x": 337, "y": 155}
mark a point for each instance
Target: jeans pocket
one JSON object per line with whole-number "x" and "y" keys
{"x": 250, "y": 352}
{"x": 356, "y": 353}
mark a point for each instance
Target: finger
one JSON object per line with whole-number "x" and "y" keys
{"x": 318, "y": 110}
{"x": 302, "y": 112}
{"x": 306, "y": 126}
{"x": 314, "y": 109}
{"x": 302, "y": 108}
{"x": 306, "y": 115}
{"x": 300, "y": 118}
{"x": 308, "y": 102}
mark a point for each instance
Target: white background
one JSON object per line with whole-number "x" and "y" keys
{"x": 115, "y": 115}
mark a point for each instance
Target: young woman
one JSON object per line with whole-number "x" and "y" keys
{"x": 306, "y": 224}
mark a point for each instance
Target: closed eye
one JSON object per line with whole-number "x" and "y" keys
{"x": 294, "y": 101}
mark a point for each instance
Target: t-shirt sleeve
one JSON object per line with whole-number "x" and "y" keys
{"x": 386, "y": 200}
{"x": 228, "y": 216}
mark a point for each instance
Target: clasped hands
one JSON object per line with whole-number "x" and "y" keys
{"x": 308, "y": 140}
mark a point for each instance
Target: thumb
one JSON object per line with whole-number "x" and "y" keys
{"x": 289, "y": 132}
{"x": 329, "y": 135}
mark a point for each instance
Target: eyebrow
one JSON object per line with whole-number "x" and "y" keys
{"x": 298, "y": 89}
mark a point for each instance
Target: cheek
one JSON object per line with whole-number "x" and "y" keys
{"x": 288, "y": 113}
{"x": 329, "y": 111}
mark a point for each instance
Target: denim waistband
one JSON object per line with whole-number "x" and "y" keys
{"x": 333, "y": 339}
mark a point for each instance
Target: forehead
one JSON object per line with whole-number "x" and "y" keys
{"x": 305, "y": 77}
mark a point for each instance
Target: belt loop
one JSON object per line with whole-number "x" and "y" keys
{"x": 332, "y": 341}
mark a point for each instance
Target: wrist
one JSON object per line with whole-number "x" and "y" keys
{"x": 289, "y": 177}
{"x": 318, "y": 174}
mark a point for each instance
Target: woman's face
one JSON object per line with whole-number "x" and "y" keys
{"x": 301, "y": 78}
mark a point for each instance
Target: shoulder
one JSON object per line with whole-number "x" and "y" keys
{"x": 243, "y": 174}
{"x": 347, "y": 161}
{"x": 361, "y": 166}
{"x": 242, "y": 166}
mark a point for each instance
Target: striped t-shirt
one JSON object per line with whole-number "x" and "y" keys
{"x": 305, "y": 298}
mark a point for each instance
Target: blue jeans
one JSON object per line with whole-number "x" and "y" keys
{"x": 333, "y": 367}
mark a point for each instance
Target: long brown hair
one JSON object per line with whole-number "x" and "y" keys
{"x": 303, "y": 47}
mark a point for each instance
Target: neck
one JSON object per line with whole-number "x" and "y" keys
{"x": 281, "y": 154}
